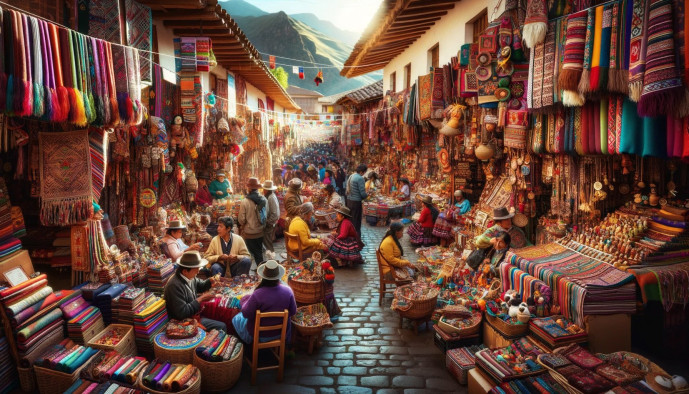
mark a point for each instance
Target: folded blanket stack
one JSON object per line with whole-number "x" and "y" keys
{"x": 218, "y": 346}
{"x": 165, "y": 376}
{"x": 18, "y": 225}
{"x": 91, "y": 289}
{"x": 9, "y": 244}
{"x": 104, "y": 301}
{"x": 88, "y": 387}
{"x": 80, "y": 316}
{"x": 113, "y": 366}
{"x": 66, "y": 357}
{"x": 8, "y": 372}
{"x": 150, "y": 319}
{"x": 126, "y": 303}
{"x": 158, "y": 274}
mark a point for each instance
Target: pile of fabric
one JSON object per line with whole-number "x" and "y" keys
{"x": 66, "y": 357}
{"x": 104, "y": 300}
{"x": 149, "y": 320}
{"x": 80, "y": 317}
{"x": 115, "y": 367}
{"x": 126, "y": 303}
{"x": 159, "y": 272}
{"x": 218, "y": 346}
{"x": 514, "y": 361}
{"x": 8, "y": 373}
{"x": 8, "y": 241}
{"x": 87, "y": 386}
{"x": 165, "y": 376}
{"x": 557, "y": 331}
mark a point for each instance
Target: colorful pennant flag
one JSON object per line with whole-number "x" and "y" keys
{"x": 295, "y": 70}
{"x": 301, "y": 72}
{"x": 272, "y": 62}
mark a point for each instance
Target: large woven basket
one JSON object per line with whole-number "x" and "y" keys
{"x": 175, "y": 355}
{"x": 27, "y": 379}
{"x": 193, "y": 389}
{"x": 220, "y": 376}
{"x": 462, "y": 332}
{"x": 126, "y": 346}
{"x": 307, "y": 292}
{"x": 312, "y": 330}
{"x": 418, "y": 308}
{"x": 49, "y": 381}
{"x": 508, "y": 330}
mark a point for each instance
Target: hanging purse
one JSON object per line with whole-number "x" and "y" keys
{"x": 477, "y": 256}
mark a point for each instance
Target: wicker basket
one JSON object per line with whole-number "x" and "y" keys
{"x": 126, "y": 346}
{"x": 467, "y": 331}
{"x": 225, "y": 373}
{"x": 27, "y": 379}
{"x": 418, "y": 309}
{"x": 311, "y": 310}
{"x": 180, "y": 356}
{"x": 49, "y": 381}
{"x": 307, "y": 292}
{"x": 193, "y": 389}
{"x": 508, "y": 330}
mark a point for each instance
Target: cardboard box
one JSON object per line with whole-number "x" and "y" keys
{"x": 479, "y": 383}
{"x": 609, "y": 333}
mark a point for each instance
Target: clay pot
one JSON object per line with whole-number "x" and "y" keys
{"x": 484, "y": 152}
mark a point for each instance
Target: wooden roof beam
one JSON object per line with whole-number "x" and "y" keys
{"x": 172, "y": 4}
{"x": 204, "y": 33}
{"x": 421, "y": 17}
{"x": 194, "y": 23}
{"x": 427, "y": 9}
{"x": 205, "y": 15}
{"x": 417, "y": 28}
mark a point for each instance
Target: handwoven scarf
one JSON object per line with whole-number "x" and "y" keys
{"x": 603, "y": 126}
{"x": 538, "y": 72}
{"x": 62, "y": 92}
{"x": 535, "y": 24}
{"x": 110, "y": 76}
{"x": 585, "y": 83}
{"x": 560, "y": 40}
{"x": 630, "y": 135}
{"x": 605, "y": 49}
{"x": 637, "y": 48}
{"x": 579, "y": 125}
{"x": 38, "y": 87}
{"x": 612, "y": 130}
{"x": 617, "y": 78}
{"x": 20, "y": 87}
{"x": 595, "y": 119}
{"x": 662, "y": 90}
{"x": 8, "y": 61}
{"x": 596, "y": 52}
{"x": 437, "y": 102}
{"x": 654, "y": 137}
{"x": 569, "y": 77}
{"x": 549, "y": 65}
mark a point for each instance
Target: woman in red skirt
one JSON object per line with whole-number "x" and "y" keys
{"x": 344, "y": 244}
{"x": 421, "y": 232}
{"x": 449, "y": 219}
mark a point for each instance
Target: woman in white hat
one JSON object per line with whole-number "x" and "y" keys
{"x": 172, "y": 243}
{"x": 447, "y": 220}
{"x": 344, "y": 244}
{"x": 269, "y": 296}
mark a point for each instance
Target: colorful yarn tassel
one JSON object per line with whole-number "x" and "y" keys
{"x": 38, "y": 102}
{"x": 80, "y": 119}
{"x": 88, "y": 114}
{"x": 91, "y": 108}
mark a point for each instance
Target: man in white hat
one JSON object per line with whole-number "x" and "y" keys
{"x": 172, "y": 244}
{"x": 184, "y": 292}
{"x": 273, "y": 214}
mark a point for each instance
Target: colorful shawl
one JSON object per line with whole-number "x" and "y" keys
{"x": 437, "y": 102}
{"x": 605, "y": 49}
{"x": 569, "y": 77}
{"x": 549, "y": 64}
{"x": 617, "y": 76}
{"x": 662, "y": 86}
{"x": 424, "y": 93}
{"x": 36, "y": 326}
{"x": 596, "y": 51}
{"x": 140, "y": 33}
{"x": 603, "y": 121}
{"x": 637, "y": 48}
{"x": 535, "y": 24}
{"x": 585, "y": 83}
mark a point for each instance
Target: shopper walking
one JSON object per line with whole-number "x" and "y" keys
{"x": 253, "y": 214}
{"x": 272, "y": 216}
{"x": 356, "y": 194}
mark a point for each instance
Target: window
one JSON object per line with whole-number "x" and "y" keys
{"x": 434, "y": 56}
{"x": 407, "y": 76}
{"x": 393, "y": 82}
{"x": 480, "y": 22}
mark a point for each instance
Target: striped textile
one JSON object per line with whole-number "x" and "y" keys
{"x": 99, "y": 163}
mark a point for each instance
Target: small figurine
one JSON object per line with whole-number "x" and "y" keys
{"x": 178, "y": 135}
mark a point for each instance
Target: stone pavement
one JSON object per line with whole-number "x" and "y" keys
{"x": 366, "y": 351}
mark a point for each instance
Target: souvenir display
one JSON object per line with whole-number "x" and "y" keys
{"x": 218, "y": 346}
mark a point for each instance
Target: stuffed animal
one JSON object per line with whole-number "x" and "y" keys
{"x": 514, "y": 304}
{"x": 178, "y": 135}
{"x": 523, "y": 314}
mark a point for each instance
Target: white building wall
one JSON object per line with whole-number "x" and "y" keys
{"x": 450, "y": 33}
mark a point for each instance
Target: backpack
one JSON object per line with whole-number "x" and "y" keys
{"x": 262, "y": 214}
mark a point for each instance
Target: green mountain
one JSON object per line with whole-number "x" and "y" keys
{"x": 281, "y": 35}
{"x": 328, "y": 28}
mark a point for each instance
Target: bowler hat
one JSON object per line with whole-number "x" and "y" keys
{"x": 191, "y": 259}
{"x": 176, "y": 225}
{"x": 345, "y": 211}
{"x": 502, "y": 214}
{"x": 253, "y": 184}
{"x": 270, "y": 270}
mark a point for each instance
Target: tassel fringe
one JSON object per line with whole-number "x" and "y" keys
{"x": 635, "y": 89}
{"x": 534, "y": 33}
{"x": 683, "y": 107}
{"x": 572, "y": 98}
{"x": 51, "y": 106}
{"x": 91, "y": 113}
{"x": 88, "y": 115}
{"x": 585, "y": 83}
{"x": 114, "y": 111}
{"x": 80, "y": 119}
{"x": 64, "y": 103}
{"x": 27, "y": 102}
{"x": 66, "y": 212}
{"x": 73, "y": 110}
{"x": 38, "y": 100}
{"x": 660, "y": 103}
{"x": 618, "y": 81}
{"x": 569, "y": 79}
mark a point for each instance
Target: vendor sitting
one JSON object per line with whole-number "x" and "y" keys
{"x": 299, "y": 227}
{"x": 182, "y": 298}
{"x": 220, "y": 187}
{"x": 503, "y": 223}
{"x": 448, "y": 219}
{"x": 203, "y": 194}
{"x": 421, "y": 232}
{"x": 228, "y": 250}
{"x": 172, "y": 244}
{"x": 332, "y": 199}
{"x": 270, "y": 296}
{"x": 344, "y": 244}
{"x": 391, "y": 252}
{"x": 372, "y": 184}
{"x": 404, "y": 193}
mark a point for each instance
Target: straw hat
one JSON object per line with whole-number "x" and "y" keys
{"x": 295, "y": 184}
{"x": 268, "y": 185}
{"x": 176, "y": 225}
{"x": 502, "y": 214}
{"x": 253, "y": 184}
{"x": 345, "y": 211}
{"x": 270, "y": 270}
{"x": 191, "y": 260}
{"x": 427, "y": 199}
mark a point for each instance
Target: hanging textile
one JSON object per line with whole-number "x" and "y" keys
{"x": 424, "y": 96}
{"x": 139, "y": 34}
{"x": 66, "y": 183}
{"x": 568, "y": 80}
{"x": 596, "y": 50}
{"x": 535, "y": 25}
{"x": 617, "y": 76}
{"x": 98, "y": 151}
{"x": 585, "y": 82}
{"x": 662, "y": 85}
{"x": 549, "y": 64}
{"x": 637, "y": 48}
{"x": 437, "y": 102}
{"x": 654, "y": 137}
{"x": 103, "y": 19}
{"x": 631, "y": 134}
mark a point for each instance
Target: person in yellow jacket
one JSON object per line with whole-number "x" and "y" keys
{"x": 227, "y": 251}
{"x": 392, "y": 253}
{"x": 299, "y": 226}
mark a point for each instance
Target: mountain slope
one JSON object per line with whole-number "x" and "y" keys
{"x": 327, "y": 28}
{"x": 241, "y": 8}
{"x": 279, "y": 34}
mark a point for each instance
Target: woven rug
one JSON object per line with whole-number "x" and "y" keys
{"x": 662, "y": 91}
{"x": 637, "y": 48}
{"x": 139, "y": 34}
{"x": 437, "y": 101}
{"x": 80, "y": 248}
{"x": 65, "y": 168}
{"x": 97, "y": 148}
{"x": 549, "y": 64}
{"x": 104, "y": 20}
{"x": 425, "y": 97}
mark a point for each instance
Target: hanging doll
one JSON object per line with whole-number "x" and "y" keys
{"x": 178, "y": 135}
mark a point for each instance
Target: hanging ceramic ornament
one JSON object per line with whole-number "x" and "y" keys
{"x": 319, "y": 78}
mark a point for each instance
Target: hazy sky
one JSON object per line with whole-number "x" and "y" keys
{"x": 352, "y": 15}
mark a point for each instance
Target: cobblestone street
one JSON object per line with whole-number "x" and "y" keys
{"x": 366, "y": 351}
